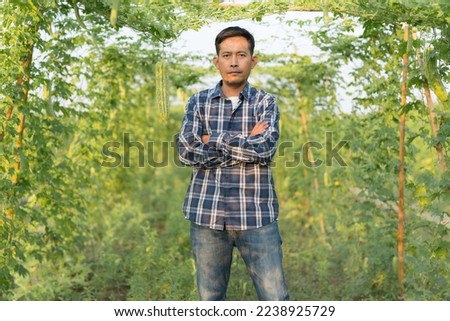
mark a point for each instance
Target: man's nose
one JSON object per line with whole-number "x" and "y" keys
{"x": 234, "y": 61}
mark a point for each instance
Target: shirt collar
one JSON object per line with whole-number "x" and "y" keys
{"x": 217, "y": 91}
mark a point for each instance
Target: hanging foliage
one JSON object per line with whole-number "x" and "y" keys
{"x": 162, "y": 92}
{"x": 114, "y": 12}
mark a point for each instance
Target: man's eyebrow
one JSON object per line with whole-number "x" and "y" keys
{"x": 229, "y": 51}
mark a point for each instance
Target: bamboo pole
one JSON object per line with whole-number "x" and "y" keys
{"x": 9, "y": 113}
{"x": 304, "y": 119}
{"x": 22, "y": 82}
{"x": 401, "y": 193}
{"x": 304, "y": 132}
{"x": 303, "y": 102}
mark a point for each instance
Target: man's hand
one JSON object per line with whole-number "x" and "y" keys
{"x": 259, "y": 128}
{"x": 205, "y": 139}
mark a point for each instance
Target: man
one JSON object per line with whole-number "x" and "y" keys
{"x": 229, "y": 136}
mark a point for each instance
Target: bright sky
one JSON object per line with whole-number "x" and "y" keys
{"x": 272, "y": 35}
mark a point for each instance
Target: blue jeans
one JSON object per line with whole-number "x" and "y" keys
{"x": 260, "y": 249}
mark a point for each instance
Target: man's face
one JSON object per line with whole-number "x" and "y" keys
{"x": 235, "y": 61}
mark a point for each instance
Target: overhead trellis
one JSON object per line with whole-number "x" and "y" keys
{"x": 166, "y": 20}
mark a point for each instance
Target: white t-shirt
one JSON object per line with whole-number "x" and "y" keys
{"x": 234, "y": 101}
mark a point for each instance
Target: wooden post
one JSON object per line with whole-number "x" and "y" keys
{"x": 401, "y": 182}
{"x": 22, "y": 82}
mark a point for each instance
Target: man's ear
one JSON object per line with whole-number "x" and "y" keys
{"x": 254, "y": 61}
{"x": 216, "y": 61}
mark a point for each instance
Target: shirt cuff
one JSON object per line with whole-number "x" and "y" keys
{"x": 216, "y": 140}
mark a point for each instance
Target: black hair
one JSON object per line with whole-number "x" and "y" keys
{"x": 235, "y": 32}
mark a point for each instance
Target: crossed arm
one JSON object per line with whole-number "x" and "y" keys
{"x": 221, "y": 148}
{"x": 259, "y": 128}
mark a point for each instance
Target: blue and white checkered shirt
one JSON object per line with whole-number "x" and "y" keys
{"x": 231, "y": 186}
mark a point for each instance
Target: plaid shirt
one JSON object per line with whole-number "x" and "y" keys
{"x": 231, "y": 186}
